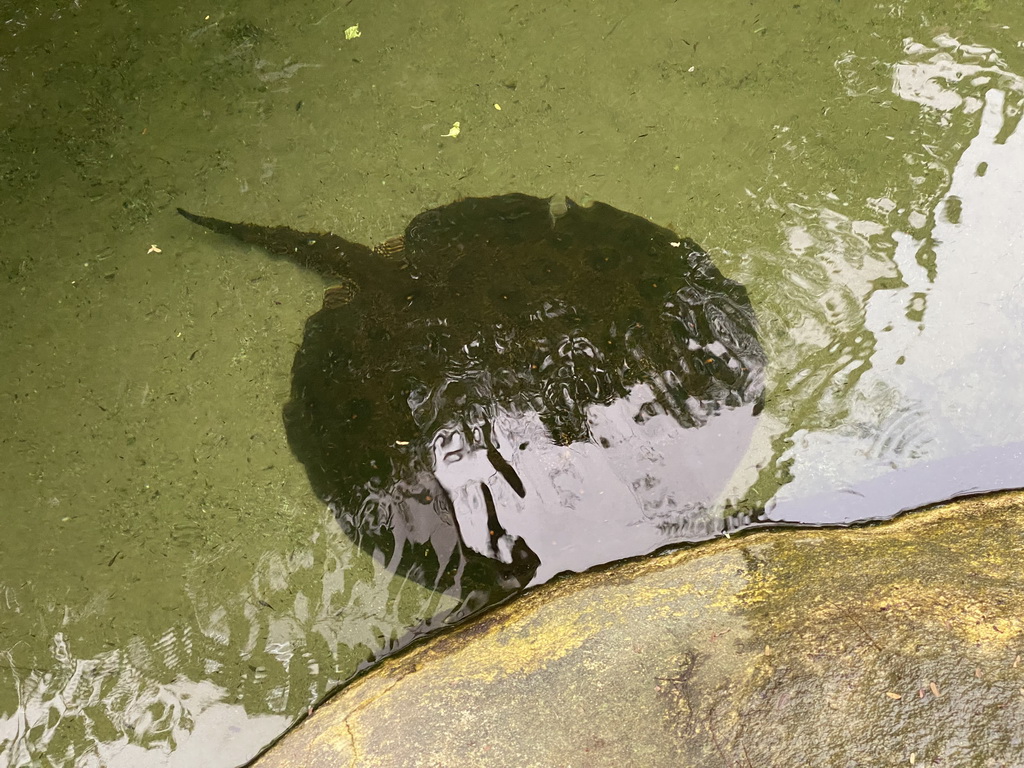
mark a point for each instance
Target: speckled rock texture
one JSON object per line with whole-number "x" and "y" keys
{"x": 894, "y": 644}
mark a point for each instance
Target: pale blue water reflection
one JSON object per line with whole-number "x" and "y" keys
{"x": 938, "y": 378}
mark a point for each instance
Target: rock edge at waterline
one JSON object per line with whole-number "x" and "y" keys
{"x": 896, "y": 644}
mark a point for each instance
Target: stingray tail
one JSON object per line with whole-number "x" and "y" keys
{"x": 326, "y": 254}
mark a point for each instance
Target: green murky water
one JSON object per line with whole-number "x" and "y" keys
{"x": 169, "y": 587}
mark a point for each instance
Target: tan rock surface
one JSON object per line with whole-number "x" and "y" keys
{"x": 895, "y": 644}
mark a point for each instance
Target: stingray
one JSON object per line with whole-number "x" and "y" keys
{"x": 517, "y": 387}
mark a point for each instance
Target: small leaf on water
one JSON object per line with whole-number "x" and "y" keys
{"x": 977, "y": 672}
{"x": 935, "y": 690}
{"x": 892, "y": 695}
{"x": 1016, "y": 661}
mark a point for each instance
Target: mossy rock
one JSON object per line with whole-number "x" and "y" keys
{"x": 894, "y": 644}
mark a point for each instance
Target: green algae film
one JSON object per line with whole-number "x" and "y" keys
{"x": 169, "y": 587}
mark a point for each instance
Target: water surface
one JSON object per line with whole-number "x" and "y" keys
{"x": 170, "y": 588}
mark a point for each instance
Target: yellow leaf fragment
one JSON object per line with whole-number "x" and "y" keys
{"x": 892, "y": 695}
{"x": 454, "y": 131}
{"x": 351, "y": 33}
{"x": 497, "y": 106}
{"x": 1016, "y": 662}
{"x": 935, "y": 690}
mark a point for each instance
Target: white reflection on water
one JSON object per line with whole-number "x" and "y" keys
{"x": 634, "y": 487}
{"x": 948, "y": 340}
{"x": 179, "y": 723}
{"x": 218, "y": 684}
